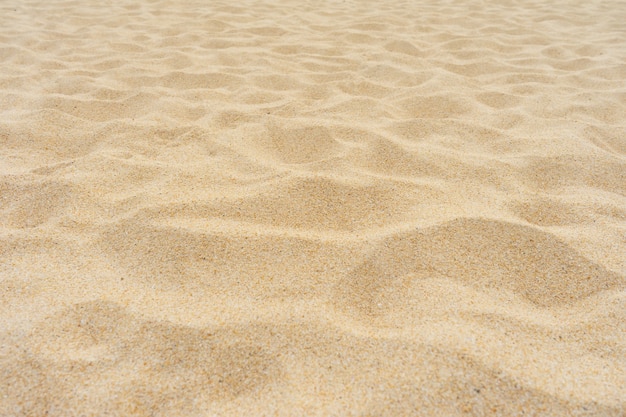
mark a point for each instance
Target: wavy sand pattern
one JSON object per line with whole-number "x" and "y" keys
{"x": 312, "y": 208}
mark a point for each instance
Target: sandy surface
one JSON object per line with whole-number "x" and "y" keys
{"x": 312, "y": 208}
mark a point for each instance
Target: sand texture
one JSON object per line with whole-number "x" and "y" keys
{"x": 333, "y": 208}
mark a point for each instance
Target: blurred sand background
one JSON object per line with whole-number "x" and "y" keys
{"x": 312, "y": 208}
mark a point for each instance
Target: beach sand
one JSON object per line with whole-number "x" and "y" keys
{"x": 324, "y": 208}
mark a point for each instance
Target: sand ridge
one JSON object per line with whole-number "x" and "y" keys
{"x": 312, "y": 208}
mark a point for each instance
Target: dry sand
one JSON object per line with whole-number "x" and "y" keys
{"x": 312, "y": 208}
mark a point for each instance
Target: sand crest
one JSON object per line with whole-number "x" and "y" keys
{"x": 312, "y": 208}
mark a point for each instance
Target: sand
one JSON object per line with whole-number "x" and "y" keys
{"x": 367, "y": 208}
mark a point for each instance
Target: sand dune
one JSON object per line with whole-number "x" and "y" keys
{"x": 312, "y": 208}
